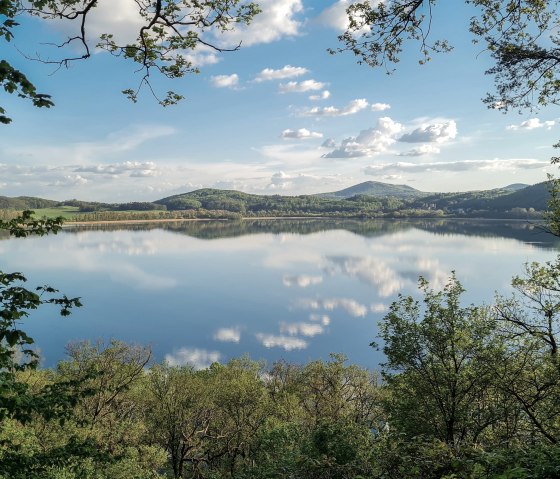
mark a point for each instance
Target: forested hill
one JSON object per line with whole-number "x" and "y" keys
{"x": 498, "y": 200}
{"x": 376, "y": 188}
{"x": 368, "y": 200}
{"x": 25, "y": 203}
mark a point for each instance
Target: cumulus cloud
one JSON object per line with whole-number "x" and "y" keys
{"x": 351, "y": 306}
{"x": 432, "y": 133}
{"x": 287, "y": 343}
{"x": 323, "y": 96}
{"x": 283, "y": 73}
{"x": 336, "y": 17}
{"x": 492, "y": 165}
{"x": 380, "y": 106}
{"x": 70, "y": 180}
{"x": 379, "y": 308}
{"x": 305, "y": 329}
{"x": 131, "y": 168}
{"x": 197, "y": 358}
{"x": 369, "y": 142}
{"x": 353, "y": 107}
{"x": 532, "y": 124}
{"x": 225, "y": 81}
{"x": 421, "y": 151}
{"x": 329, "y": 143}
{"x": 203, "y": 55}
{"x": 285, "y": 181}
{"x": 320, "y": 318}
{"x": 276, "y": 20}
{"x": 228, "y": 335}
{"x": 300, "y": 87}
{"x": 302, "y": 280}
{"x": 301, "y": 134}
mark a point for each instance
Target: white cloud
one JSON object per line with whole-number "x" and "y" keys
{"x": 225, "y": 81}
{"x": 351, "y": 306}
{"x": 474, "y": 165}
{"x": 369, "y": 142}
{"x": 285, "y": 181}
{"x": 336, "y": 17}
{"x": 300, "y": 87}
{"x": 285, "y": 342}
{"x": 201, "y": 56}
{"x": 228, "y": 335}
{"x": 353, "y": 107}
{"x": 379, "y": 308}
{"x": 283, "y": 73}
{"x": 301, "y": 134}
{"x": 329, "y": 143}
{"x": 320, "y": 318}
{"x": 119, "y": 17}
{"x": 197, "y": 358}
{"x": 302, "y": 280}
{"x": 430, "y": 133}
{"x": 532, "y": 124}
{"x": 70, "y": 180}
{"x": 380, "y": 106}
{"x": 421, "y": 151}
{"x": 305, "y": 329}
{"x": 134, "y": 169}
{"x": 277, "y": 20}
{"x": 323, "y": 96}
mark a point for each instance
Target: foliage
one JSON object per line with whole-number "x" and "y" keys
{"x": 19, "y": 402}
{"x": 521, "y": 36}
{"x": 438, "y": 365}
{"x": 169, "y": 30}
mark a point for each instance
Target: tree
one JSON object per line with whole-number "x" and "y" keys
{"x": 19, "y": 402}
{"x": 521, "y": 36}
{"x": 439, "y": 365}
{"x": 530, "y": 324}
{"x": 168, "y": 31}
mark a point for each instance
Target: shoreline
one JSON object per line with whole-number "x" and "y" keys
{"x": 277, "y": 218}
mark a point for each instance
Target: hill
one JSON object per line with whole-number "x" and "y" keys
{"x": 500, "y": 200}
{"x": 26, "y": 203}
{"x": 376, "y": 188}
{"x": 370, "y": 199}
{"x": 515, "y": 186}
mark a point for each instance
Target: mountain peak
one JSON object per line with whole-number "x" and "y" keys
{"x": 375, "y": 188}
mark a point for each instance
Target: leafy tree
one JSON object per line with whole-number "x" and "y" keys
{"x": 169, "y": 30}
{"x": 439, "y": 366}
{"x": 19, "y": 402}
{"x": 521, "y": 35}
{"x": 530, "y": 323}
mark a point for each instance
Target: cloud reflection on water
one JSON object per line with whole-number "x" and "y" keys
{"x": 196, "y": 357}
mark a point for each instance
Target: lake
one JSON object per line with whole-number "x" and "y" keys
{"x": 298, "y": 290}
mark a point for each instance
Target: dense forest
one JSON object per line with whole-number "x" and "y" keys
{"x": 367, "y": 200}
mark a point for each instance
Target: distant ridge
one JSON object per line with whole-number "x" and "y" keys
{"x": 515, "y": 187}
{"x": 376, "y": 188}
{"x": 25, "y": 203}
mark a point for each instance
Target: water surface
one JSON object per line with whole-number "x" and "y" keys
{"x": 297, "y": 290}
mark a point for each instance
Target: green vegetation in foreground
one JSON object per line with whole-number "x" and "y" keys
{"x": 366, "y": 200}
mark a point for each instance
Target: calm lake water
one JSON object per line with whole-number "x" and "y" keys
{"x": 298, "y": 290}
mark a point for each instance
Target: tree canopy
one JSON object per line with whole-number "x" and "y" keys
{"x": 521, "y": 36}
{"x": 168, "y": 30}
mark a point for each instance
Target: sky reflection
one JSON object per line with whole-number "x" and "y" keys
{"x": 274, "y": 295}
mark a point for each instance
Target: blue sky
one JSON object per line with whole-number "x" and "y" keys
{"x": 280, "y": 116}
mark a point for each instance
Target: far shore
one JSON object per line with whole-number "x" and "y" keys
{"x": 69, "y": 223}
